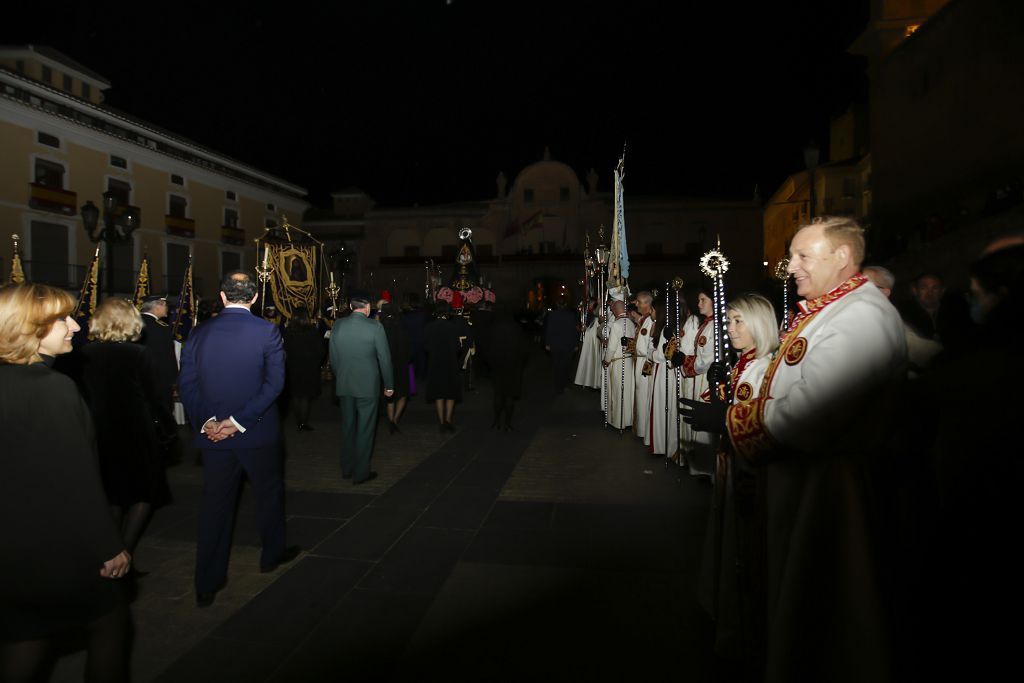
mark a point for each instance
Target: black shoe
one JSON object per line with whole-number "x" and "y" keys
{"x": 392, "y": 427}
{"x": 449, "y": 427}
{"x": 289, "y": 554}
{"x": 371, "y": 476}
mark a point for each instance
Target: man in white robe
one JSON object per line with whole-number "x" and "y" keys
{"x": 589, "y": 369}
{"x": 643, "y": 349}
{"x": 618, "y": 364}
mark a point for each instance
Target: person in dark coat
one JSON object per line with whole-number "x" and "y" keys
{"x": 562, "y": 339}
{"x": 415, "y": 320}
{"x": 159, "y": 342}
{"x": 61, "y": 547}
{"x": 444, "y": 385}
{"x": 401, "y": 361}
{"x": 304, "y": 350}
{"x": 119, "y": 383}
{"x": 507, "y": 350}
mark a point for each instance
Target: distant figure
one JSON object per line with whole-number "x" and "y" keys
{"x": 935, "y": 314}
{"x": 415, "y": 319}
{"x": 159, "y": 342}
{"x": 401, "y": 364}
{"x": 507, "y": 352}
{"x": 304, "y": 356}
{"x": 362, "y": 364}
{"x": 444, "y": 384}
{"x": 588, "y": 369}
{"x": 232, "y": 371}
{"x": 562, "y": 340}
{"x": 921, "y": 351}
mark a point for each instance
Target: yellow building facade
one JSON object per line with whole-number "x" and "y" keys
{"x": 63, "y": 148}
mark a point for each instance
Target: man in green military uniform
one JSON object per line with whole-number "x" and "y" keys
{"x": 360, "y": 358}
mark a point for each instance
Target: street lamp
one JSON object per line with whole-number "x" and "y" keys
{"x": 113, "y": 231}
{"x": 811, "y": 155}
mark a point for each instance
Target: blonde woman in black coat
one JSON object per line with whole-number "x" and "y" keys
{"x": 61, "y": 547}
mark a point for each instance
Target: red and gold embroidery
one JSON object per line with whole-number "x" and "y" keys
{"x": 643, "y": 331}
{"x": 744, "y": 392}
{"x": 702, "y": 340}
{"x": 796, "y": 350}
{"x": 747, "y": 430}
{"x": 689, "y": 369}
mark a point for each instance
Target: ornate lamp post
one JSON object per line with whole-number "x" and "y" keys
{"x": 112, "y": 232}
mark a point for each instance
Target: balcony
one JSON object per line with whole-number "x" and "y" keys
{"x": 180, "y": 227}
{"x": 121, "y": 209}
{"x": 229, "y": 234}
{"x": 47, "y": 198}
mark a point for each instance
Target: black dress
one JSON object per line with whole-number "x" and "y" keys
{"x": 443, "y": 347}
{"x": 58, "y": 531}
{"x": 120, "y": 382}
{"x": 304, "y": 356}
{"x": 401, "y": 353}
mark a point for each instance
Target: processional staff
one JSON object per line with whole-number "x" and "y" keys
{"x": 714, "y": 264}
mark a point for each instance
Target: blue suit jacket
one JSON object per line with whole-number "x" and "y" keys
{"x": 233, "y": 366}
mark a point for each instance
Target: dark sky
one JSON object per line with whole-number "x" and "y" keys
{"x": 425, "y": 101}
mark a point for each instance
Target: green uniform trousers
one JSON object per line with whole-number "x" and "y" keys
{"x": 358, "y": 425}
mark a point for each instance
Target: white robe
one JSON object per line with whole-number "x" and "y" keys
{"x": 588, "y": 370}
{"x": 824, "y": 403}
{"x": 620, "y": 374}
{"x": 641, "y": 397}
{"x": 698, "y": 344}
{"x": 663, "y": 430}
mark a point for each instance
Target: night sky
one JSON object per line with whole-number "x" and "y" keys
{"x": 425, "y": 101}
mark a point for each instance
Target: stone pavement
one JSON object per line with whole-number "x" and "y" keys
{"x": 559, "y": 549}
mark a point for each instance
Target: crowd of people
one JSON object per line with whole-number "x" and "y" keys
{"x": 861, "y": 484}
{"x": 860, "y": 470}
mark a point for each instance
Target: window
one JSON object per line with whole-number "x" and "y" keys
{"x": 86, "y": 91}
{"x": 230, "y": 195}
{"x": 178, "y": 206}
{"x": 49, "y": 263}
{"x": 119, "y": 162}
{"x": 47, "y": 74}
{"x": 229, "y": 261}
{"x": 230, "y": 219}
{"x": 49, "y": 173}
{"x": 48, "y": 140}
{"x": 177, "y": 262}
{"x": 849, "y": 187}
{"x": 563, "y": 194}
{"x": 177, "y": 179}
{"x": 528, "y": 195}
{"x": 67, "y": 83}
{"x": 411, "y": 250}
{"x": 121, "y": 190}
{"x": 270, "y": 223}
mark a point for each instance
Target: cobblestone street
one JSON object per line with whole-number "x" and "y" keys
{"x": 559, "y": 549}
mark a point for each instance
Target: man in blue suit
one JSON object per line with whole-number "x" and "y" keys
{"x": 232, "y": 371}
{"x": 360, "y": 359}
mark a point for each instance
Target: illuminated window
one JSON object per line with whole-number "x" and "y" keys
{"x": 910, "y": 30}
